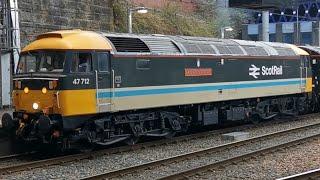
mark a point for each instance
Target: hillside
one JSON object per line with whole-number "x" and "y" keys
{"x": 205, "y": 21}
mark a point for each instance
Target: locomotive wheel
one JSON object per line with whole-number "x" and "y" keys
{"x": 44, "y": 124}
{"x": 7, "y": 121}
{"x": 255, "y": 119}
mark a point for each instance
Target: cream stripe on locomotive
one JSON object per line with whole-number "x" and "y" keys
{"x": 157, "y": 96}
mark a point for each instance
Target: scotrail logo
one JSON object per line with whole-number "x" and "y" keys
{"x": 254, "y": 71}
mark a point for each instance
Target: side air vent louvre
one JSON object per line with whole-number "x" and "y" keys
{"x": 124, "y": 44}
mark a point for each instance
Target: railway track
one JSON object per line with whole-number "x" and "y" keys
{"x": 12, "y": 156}
{"x": 181, "y": 159}
{"x": 313, "y": 174}
{"x": 94, "y": 154}
{"x": 77, "y": 157}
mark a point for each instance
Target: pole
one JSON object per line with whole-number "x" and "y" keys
{"x": 265, "y": 25}
{"x": 297, "y": 24}
{"x": 130, "y": 20}
{"x": 222, "y": 32}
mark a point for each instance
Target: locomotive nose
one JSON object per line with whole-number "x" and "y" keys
{"x": 33, "y": 100}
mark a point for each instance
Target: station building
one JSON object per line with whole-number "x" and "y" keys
{"x": 299, "y": 24}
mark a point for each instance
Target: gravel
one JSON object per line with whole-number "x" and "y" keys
{"x": 111, "y": 162}
{"x": 290, "y": 161}
{"x": 11, "y": 162}
{"x": 214, "y": 157}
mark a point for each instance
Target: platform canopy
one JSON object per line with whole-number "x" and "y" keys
{"x": 261, "y": 4}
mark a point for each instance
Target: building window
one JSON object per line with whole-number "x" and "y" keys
{"x": 306, "y": 38}
{"x": 272, "y": 38}
{"x": 287, "y": 38}
{"x": 253, "y": 37}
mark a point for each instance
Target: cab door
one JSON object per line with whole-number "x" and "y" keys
{"x": 103, "y": 82}
{"x": 304, "y": 64}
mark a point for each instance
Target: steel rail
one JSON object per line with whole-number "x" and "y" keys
{"x": 195, "y": 154}
{"x": 223, "y": 163}
{"x": 94, "y": 154}
{"x": 11, "y": 156}
{"x": 313, "y": 174}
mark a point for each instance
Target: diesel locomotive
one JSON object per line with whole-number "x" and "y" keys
{"x": 73, "y": 86}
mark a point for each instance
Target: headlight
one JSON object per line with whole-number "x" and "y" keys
{"x": 26, "y": 90}
{"x": 35, "y": 106}
{"x": 44, "y": 90}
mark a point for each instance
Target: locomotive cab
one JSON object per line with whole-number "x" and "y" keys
{"x": 55, "y": 84}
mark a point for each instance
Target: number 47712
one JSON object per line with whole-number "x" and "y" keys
{"x": 78, "y": 81}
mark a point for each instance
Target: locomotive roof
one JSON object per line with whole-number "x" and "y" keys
{"x": 121, "y": 43}
{"x": 69, "y": 39}
{"x": 315, "y": 49}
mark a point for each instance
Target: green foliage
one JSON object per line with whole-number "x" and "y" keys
{"x": 171, "y": 20}
{"x": 168, "y": 21}
{"x": 120, "y": 15}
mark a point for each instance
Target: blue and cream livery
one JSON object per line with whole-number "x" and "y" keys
{"x": 107, "y": 88}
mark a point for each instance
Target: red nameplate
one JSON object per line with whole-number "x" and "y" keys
{"x": 194, "y": 72}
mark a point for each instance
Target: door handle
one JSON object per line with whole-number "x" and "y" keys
{"x": 100, "y": 78}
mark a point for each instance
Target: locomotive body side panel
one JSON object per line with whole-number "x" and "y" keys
{"x": 164, "y": 82}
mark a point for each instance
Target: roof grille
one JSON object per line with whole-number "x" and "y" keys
{"x": 255, "y": 51}
{"x": 229, "y": 49}
{"x": 235, "y": 50}
{"x": 124, "y": 44}
{"x": 191, "y": 48}
{"x": 161, "y": 45}
{"x": 206, "y": 49}
{"x": 223, "y": 49}
{"x": 285, "y": 51}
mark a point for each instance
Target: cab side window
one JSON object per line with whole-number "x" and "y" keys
{"x": 82, "y": 62}
{"x": 103, "y": 62}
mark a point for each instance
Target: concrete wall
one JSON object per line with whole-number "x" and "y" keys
{"x": 38, "y": 16}
{"x": 5, "y": 79}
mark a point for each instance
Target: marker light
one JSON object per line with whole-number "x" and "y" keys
{"x": 18, "y": 84}
{"x": 53, "y": 84}
{"x": 44, "y": 90}
{"x": 26, "y": 90}
{"x": 35, "y": 106}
